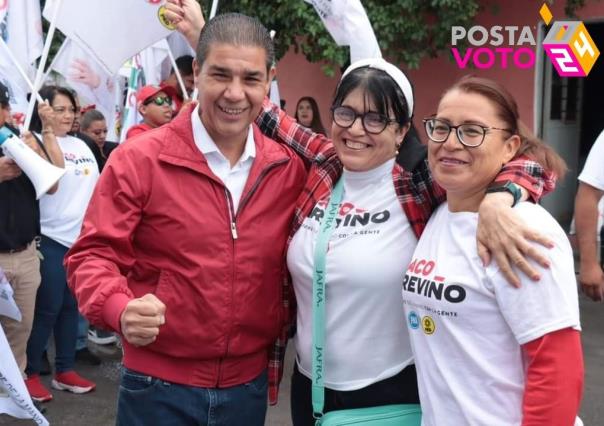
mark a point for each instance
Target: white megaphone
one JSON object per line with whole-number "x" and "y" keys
{"x": 42, "y": 174}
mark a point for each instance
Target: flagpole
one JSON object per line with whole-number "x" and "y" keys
{"x": 181, "y": 83}
{"x": 18, "y": 66}
{"x": 213, "y": 9}
{"x": 43, "y": 59}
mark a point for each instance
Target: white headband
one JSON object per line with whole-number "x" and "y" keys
{"x": 397, "y": 75}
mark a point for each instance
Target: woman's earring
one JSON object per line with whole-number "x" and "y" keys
{"x": 397, "y": 147}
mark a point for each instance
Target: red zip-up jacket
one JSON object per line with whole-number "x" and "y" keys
{"x": 161, "y": 222}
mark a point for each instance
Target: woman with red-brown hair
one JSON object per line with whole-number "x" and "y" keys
{"x": 487, "y": 353}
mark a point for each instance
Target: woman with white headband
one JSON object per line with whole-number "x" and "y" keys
{"x": 383, "y": 210}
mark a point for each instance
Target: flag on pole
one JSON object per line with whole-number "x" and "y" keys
{"x": 14, "y": 398}
{"x": 155, "y": 62}
{"x": 112, "y": 30}
{"x": 8, "y": 306}
{"x": 274, "y": 92}
{"x": 21, "y": 30}
{"x": 93, "y": 84}
{"x": 348, "y": 24}
{"x": 135, "y": 81}
{"x": 179, "y": 45}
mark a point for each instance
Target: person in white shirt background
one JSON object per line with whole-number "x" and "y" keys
{"x": 487, "y": 353}
{"x": 587, "y": 203}
{"x": 61, "y": 218}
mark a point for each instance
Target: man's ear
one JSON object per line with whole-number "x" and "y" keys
{"x": 142, "y": 109}
{"x": 196, "y": 71}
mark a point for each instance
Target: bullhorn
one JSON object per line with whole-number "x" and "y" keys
{"x": 42, "y": 174}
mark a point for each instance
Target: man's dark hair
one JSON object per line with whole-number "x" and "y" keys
{"x": 184, "y": 64}
{"x": 236, "y": 29}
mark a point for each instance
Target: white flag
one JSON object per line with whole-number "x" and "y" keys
{"x": 3, "y": 10}
{"x": 349, "y": 25}
{"x": 8, "y": 307}
{"x": 112, "y": 30}
{"x": 18, "y": 96}
{"x": 154, "y": 61}
{"x": 274, "y": 95}
{"x": 14, "y": 398}
{"x": 87, "y": 77}
{"x": 179, "y": 45}
{"x": 21, "y": 30}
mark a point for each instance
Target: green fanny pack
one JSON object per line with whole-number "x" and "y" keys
{"x": 384, "y": 415}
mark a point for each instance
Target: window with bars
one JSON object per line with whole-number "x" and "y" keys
{"x": 565, "y": 102}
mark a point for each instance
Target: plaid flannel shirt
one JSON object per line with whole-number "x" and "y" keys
{"x": 417, "y": 192}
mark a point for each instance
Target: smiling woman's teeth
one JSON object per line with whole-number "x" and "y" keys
{"x": 232, "y": 110}
{"x": 452, "y": 161}
{"x": 355, "y": 145}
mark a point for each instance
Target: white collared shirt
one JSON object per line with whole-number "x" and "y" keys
{"x": 234, "y": 178}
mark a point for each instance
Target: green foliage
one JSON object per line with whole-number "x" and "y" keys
{"x": 572, "y": 6}
{"x": 407, "y": 30}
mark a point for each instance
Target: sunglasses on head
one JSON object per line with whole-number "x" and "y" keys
{"x": 159, "y": 100}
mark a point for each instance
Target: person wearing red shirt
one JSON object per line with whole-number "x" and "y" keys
{"x": 155, "y": 105}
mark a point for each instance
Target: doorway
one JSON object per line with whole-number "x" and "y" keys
{"x": 572, "y": 116}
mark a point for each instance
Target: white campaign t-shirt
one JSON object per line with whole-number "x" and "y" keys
{"x": 467, "y": 323}
{"x": 366, "y": 339}
{"x": 593, "y": 171}
{"x": 62, "y": 213}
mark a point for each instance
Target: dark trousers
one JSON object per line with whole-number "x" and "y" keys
{"x": 399, "y": 389}
{"x": 56, "y": 310}
{"x": 146, "y": 400}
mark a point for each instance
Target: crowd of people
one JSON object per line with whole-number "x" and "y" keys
{"x": 214, "y": 233}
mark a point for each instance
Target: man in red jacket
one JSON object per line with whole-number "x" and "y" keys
{"x": 181, "y": 249}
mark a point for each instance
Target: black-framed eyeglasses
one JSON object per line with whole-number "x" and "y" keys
{"x": 159, "y": 100}
{"x": 372, "y": 122}
{"x": 470, "y": 135}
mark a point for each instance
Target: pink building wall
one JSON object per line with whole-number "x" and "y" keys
{"x": 298, "y": 78}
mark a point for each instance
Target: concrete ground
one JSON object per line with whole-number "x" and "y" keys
{"x": 98, "y": 407}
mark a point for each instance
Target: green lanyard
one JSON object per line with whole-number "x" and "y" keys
{"x": 318, "y": 297}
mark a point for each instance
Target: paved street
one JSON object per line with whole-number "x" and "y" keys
{"x": 98, "y": 408}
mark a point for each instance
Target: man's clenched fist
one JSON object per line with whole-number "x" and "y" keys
{"x": 141, "y": 320}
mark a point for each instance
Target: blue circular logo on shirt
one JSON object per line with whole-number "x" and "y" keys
{"x": 413, "y": 320}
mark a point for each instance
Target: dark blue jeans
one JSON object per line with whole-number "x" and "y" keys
{"x": 145, "y": 400}
{"x": 56, "y": 310}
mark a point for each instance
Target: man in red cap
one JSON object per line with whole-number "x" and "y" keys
{"x": 155, "y": 105}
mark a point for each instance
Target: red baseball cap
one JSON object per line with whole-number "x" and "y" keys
{"x": 146, "y": 92}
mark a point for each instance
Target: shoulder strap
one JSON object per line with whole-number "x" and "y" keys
{"x": 318, "y": 297}
{"x": 41, "y": 145}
